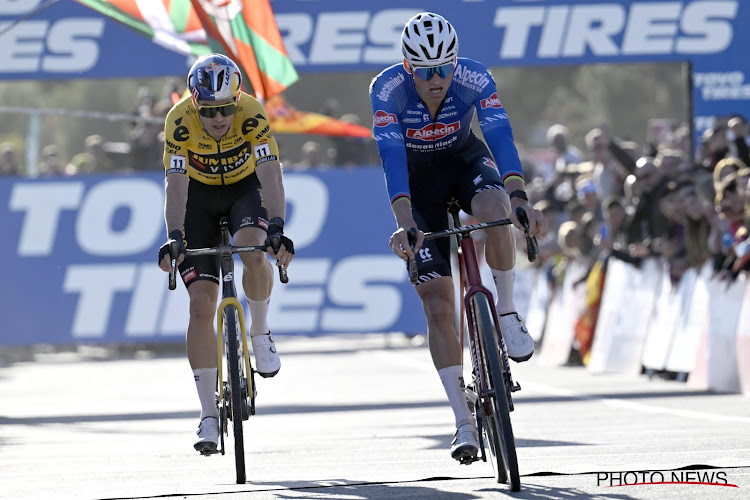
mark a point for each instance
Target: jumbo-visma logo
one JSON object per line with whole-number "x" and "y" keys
{"x": 433, "y": 132}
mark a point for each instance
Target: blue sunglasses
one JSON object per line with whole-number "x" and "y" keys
{"x": 426, "y": 73}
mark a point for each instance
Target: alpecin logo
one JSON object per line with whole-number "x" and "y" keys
{"x": 433, "y": 133}
{"x": 381, "y": 118}
{"x": 492, "y": 101}
{"x": 647, "y": 478}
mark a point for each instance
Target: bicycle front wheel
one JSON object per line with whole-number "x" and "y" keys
{"x": 231, "y": 322}
{"x": 498, "y": 429}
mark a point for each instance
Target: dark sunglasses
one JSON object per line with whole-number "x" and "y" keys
{"x": 426, "y": 73}
{"x": 211, "y": 111}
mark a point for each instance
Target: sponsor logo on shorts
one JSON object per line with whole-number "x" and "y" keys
{"x": 189, "y": 275}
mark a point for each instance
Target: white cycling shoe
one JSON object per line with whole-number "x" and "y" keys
{"x": 518, "y": 342}
{"x": 465, "y": 445}
{"x": 267, "y": 362}
{"x": 208, "y": 436}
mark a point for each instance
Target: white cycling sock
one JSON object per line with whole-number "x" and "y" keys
{"x": 205, "y": 382}
{"x": 453, "y": 382}
{"x": 504, "y": 284}
{"x": 258, "y": 316}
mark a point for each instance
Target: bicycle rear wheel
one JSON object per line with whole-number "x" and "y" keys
{"x": 498, "y": 428}
{"x": 231, "y": 320}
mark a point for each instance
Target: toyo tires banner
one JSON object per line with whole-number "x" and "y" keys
{"x": 79, "y": 260}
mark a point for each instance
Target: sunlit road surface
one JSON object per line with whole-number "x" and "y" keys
{"x": 356, "y": 417}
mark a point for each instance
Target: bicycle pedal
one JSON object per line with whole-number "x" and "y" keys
{"x": 208, "y": 451}
{"x": 516, "y": 387}
{"x": 468, "y": 460}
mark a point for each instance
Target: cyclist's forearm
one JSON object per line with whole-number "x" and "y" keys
{"x": 272, "y": 182}
{"x": 175, "y": 201}
{"x": 402, "y": 212}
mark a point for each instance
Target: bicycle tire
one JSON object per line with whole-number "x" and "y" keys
{"x": 499, "y": 428}
{"x": 235, "y": 392}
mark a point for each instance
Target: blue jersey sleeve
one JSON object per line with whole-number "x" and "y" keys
{"x": 495, "y": 125}
{"x": 385, "y": 99}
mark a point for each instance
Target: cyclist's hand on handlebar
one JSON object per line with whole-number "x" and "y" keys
{"x": 174, "y": 248}
{"x": 279, "y": 246}
{"x": 400, "y": 243}
{"x": 537, "y": 222}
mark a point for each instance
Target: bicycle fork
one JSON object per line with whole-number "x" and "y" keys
{"x": 242, "y": 350}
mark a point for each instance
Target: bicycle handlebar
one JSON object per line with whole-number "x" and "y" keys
{"x": 532, "y": 247}
{"x": 221, "y": 251}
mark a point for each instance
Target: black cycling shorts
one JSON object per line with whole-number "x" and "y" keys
{"x": 241, "y": 202}
{"x": 432, "y": 186}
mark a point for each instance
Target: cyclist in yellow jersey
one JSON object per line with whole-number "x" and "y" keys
{"x": 221, "y": 160}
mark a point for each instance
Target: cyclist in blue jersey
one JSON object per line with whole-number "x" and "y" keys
{"x": 422, "y": 113}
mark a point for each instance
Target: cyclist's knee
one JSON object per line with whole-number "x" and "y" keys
{"x": 438, "y": 304}
{"x": 490, "y": 205}
{"x": 202, "y": 306}
{"x": 254, "y": 261}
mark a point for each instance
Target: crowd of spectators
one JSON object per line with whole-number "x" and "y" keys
{"x": 632, "y": 201}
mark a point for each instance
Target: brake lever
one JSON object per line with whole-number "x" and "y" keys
{"x": 411, "y": 234}
{"x": 532, "y": 246}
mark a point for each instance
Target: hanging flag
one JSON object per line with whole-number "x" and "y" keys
{"x": 286, "y": 119}
{"x": 246, "y": 30}
{"x": 173, "y": 24}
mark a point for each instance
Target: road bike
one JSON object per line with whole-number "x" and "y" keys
{"x": 235, "y": 396}
{"x": 490, "y": 392}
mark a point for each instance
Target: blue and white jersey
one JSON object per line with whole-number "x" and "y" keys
{"x": 406, "y": 134}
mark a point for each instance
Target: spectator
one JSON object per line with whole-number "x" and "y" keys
{"x": 9, "y": 162}
{"x": 312, "y": 156}
{"x": 586, "y": 194}
{"x": 729, "y": 229}
{"x": 647, "y": 222}
{"x": 714, "y": 147}
{"x": 92, "y": 160}
{"x": 724, "y": 168}
{"x": 739, "y": 133}
{"x": 354, "y": 151}
{"x": 145, "y": 147}
{"x": 696, "y": 226}
{"x": 558, "y": 137}
{"x": 50, "y": 164}
{"x": 613, "y": 236}
{"x": 669, "y": 161}
{"x": 609, "y": 174}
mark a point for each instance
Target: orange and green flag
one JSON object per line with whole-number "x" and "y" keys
{"x": 173, "y": 24}
{"x": 246, "y": 31}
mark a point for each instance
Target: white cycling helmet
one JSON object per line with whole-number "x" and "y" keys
{"x": 429, "y": 40}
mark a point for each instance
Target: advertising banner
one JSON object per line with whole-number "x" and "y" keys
{"x": 79, "y": 260}
{"x": 67, "y": 40}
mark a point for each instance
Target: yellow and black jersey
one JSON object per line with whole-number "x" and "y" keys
{"x": 190, "y": 150}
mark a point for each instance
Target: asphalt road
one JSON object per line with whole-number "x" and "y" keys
{"x": 355, "y": 417}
